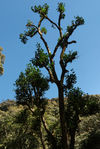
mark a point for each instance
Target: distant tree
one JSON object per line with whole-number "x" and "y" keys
{"x": 74, "y": 106}
{"x": 91, "y": 105}
{"x": 78, "y": 104}
{"x": 47, "y": 60}
{"x": 2, "y": 58}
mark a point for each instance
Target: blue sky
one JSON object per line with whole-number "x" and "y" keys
{"x": 14, "y": 16}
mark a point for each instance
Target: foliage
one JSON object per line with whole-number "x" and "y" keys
{"x": 30, "y": 85}
{"x": 19, "y": 128}
{"x": 89, "y": 127}
{"x": 42, "y": 10}
{"x": 41, "y": 59}
{"x": 61, "y": 9}
{"x": 2, "y": 59}
{"x": 43, "y": 30}
{"x": 89, "y": 142}
{"x": 74, "y": 107}
{"x": 91, "y": 105}
{"x": 70, "y": 79}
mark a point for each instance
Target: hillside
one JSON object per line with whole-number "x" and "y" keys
{"x": 18, "y": 126}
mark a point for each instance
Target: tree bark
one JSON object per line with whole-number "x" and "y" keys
{"x": 51, "y": 138}
{"x": 41, "y": 138}
{"x": 72, "y": 141}
{"x": 62, "y": 118}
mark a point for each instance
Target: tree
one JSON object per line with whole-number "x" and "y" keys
{"x": 2, "y": 59}
{"x": 46, "y": 59}
{"x": 30, "y": 88}
{"x": 75, "y": 104}
{"x": 78, "y": 105}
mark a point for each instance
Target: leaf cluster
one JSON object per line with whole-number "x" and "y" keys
{"x": 74, "y": 106}
{"x": 30, "y": 84}
{"x": 41, "y": 59}
{"x": 44, "y": 30}
{"x": 68, "y": 58}
{"x": 23, "y": 38}
{"x": 41, "y": 10}
{"x": 61, "y": 10}
{"x": 77, "y": 22}
{"x": 31, "y": 31}
{"x": 70, "y": 79}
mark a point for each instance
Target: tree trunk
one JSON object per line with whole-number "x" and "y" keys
{"x": 51, "y": 138}
{"x": 62, "y": 118}
{"x": 72, "y": 141}
{"x": 41, "y": 138}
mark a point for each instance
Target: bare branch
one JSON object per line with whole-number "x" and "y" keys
{"x": 39, "y": 24}
{"x": 73, "y": 41}
{"x": 44, "y": 41}
{"x": 59, "y": 24}
{"x": 52, "y": 22}
{"x": 56, "y": 48}
{"x": 62, "y": 52}
{"x": 32, "y": 25}
{"x": 46, "y": 17}
{"x": 51, "y": 75}
{"x": 71, "y": 31}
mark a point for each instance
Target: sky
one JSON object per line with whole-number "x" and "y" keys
{"x": 13, "y": 18}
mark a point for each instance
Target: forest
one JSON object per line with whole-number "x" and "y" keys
{"x": 32, "y": 121}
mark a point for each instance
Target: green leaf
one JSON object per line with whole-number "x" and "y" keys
{"x": 61, "y": 7}
{"x": 68, "y": 58}
{"x": 41, "y": 59}
{"x": 44, "y": 30}
{"x": 79, "y": 20}
{"x": 23, "y": 38}
{"x": 42, "y": 10}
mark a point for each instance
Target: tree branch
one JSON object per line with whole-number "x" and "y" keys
{"x": 39, "y": 24}
{"x": 46, "y": 17}
{"x": 71, "y": 31}
{"x": 44, "y": 41}
{"x": 52, "y": 22}
{"x": 51, "y": 75}
{"x": 50, "y": 135}
{"x": 59, "y": 24}
{"x": 56, "y": 48}
{"x": 73, "y": 41}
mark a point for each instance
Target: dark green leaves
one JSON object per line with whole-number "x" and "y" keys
{"x": 41, "y": 59}
{"x": 23, "y": 38}
{"x": 75, "y": 23}
{"x": 68, "y": 58}
{"x": 74, "y": 106}
{"x": 29, "y": 85}
{"x": 42, "y": 10}
{"x": 79, "y": 20}
{"x": 70, "y": 81}
{"x": 31, "y": 31}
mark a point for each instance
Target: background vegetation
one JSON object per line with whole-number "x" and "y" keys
{"x": 19, "y": 128}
